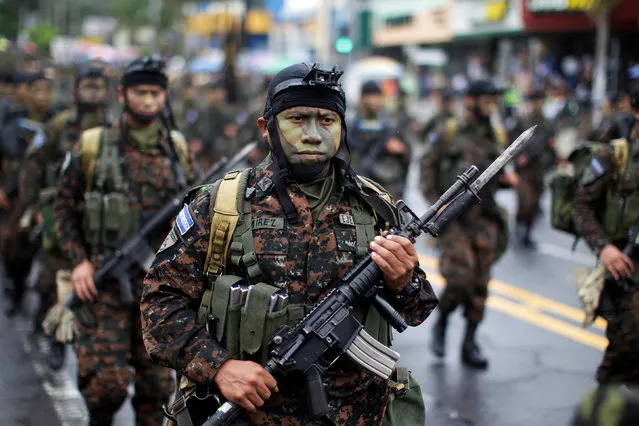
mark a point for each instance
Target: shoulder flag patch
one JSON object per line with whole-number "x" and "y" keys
{"x": 169, "y": 241}
{"x": 597, "y": 167}
{"x": 184, "y": 220}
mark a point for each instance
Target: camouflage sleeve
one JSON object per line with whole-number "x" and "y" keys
{"x": 67, "y": 210}
{"x": 430, "y": 161}
{"x": 172, "y": 292}
{"x": 31, "y": 179}
{"x": 416, "y": 301}
{"x": 591, "y": 191}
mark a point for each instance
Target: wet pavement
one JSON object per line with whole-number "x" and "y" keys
{"x": 541, "y": 360}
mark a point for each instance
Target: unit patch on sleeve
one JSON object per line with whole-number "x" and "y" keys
{"x": 597, "y": 167}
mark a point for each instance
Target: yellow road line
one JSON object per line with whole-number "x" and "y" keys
{"x": 533, "y": 316}
{"x": 531, "y": 299}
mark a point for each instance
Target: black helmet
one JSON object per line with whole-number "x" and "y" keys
{"x": 90, "y": 70}
{"x": 306, "y": 85}
{"x": 145, "y": 70}
{"x": 482, "y": 87}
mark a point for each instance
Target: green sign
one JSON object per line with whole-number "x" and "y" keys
{"x": 344, "y": 45}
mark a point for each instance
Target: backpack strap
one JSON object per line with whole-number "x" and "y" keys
{"x": 380, "y": 201}
{"x": 224, "y": 220}
{"x": 182, "y": 148}
{"x": 90, "y": 142}
{"x": 620, "y": 151}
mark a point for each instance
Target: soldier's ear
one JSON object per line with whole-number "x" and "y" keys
{"x": 262, "y": 123}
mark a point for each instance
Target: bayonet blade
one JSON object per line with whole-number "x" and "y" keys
{"x": 512, "y": 151}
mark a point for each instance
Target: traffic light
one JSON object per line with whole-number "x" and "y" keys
{"x": 344, "y": 44}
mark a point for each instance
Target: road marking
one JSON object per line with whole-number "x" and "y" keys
{"x": 526, "y": 297}
{"x": 532, "y": 315}
{"x": 556, "y": 251}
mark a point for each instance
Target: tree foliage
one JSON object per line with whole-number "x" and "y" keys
{"x": 42, "y": 35}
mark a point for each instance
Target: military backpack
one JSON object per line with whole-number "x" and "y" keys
{"x": 565, "y": 183}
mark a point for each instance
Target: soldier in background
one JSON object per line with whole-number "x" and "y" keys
{"x": 377, "y": 148}
{"x": 531, "y": 166}
{"x": 40, "y": 174}
{"x": 23, "y": 131}
{"x": 126, "y": 173}
{"x": 471, "y": 244}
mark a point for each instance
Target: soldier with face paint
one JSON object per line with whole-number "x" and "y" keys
{"x": 306, "y": 222}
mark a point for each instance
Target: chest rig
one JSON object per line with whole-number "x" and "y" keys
{"x": 622, "y": 203}
{"x": 109, "y": 215}
{"x": 244, "y": 327}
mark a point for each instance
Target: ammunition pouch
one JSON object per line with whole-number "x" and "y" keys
{"x": 620, "y": 214}
{"x": 406, "y": 403}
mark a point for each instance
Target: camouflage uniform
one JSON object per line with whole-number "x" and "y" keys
{"x": 619, "y": 361}
{"x": 303, "y": 258}
{"x": 370, "y": 158}
{"x": 17, "y": 248}
{"x": 469, "y": 245}
{"x": 106, "y": 351}
{"x": 38, "y": 180}
{"x": 531, "y": 174}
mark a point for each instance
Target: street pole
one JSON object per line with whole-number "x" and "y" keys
{"x": 599, "y": 86}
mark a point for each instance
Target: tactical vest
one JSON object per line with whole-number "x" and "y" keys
{"x": 109, "y": 218}
{"x": 622, "y": 203}
{"x": 68, "y": 138}
{"x": 246, "y": 333}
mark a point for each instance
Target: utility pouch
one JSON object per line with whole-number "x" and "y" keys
{"x": 226, "y": 314}
{"x": 92, "y": 217}
{"x": 49, "y": 239}
{"x": 253, "y": 319}
{"x": 406, "y": 403}
{"x": 117, "y": 220}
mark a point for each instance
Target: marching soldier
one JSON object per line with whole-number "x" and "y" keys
{"x": 118, "y": 177}
{"x": 40, "y": 174}
{"x": 305, "y": 222}
{"x": 23, "y": 130}
{"x": 605, "y": 207}
{"x": 472, "y": 243}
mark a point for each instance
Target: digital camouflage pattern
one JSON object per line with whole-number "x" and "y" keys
{"x": 105, "y": 354}
{"x": 619, "y": 362}
{"x": 470, "y": 244}
{"x": 38, "y": 177}
{"x": 304, "y": 259}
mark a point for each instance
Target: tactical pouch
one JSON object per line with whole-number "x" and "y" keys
{"x": 117, "y": 220}
{"x": 253, "y": 320}
{"x": 406, "y": 403}
{"x": 274, "y": 320}
{"x": 92, "y": 217}
{"x": 49, "y": 239}
{"x": 226, "y": 316}
{"x": 621, "y": 213}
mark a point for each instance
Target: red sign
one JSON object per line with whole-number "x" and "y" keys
{"x": 624, "y": 17}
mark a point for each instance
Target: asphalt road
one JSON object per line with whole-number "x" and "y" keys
{"x": 541, "y": 360}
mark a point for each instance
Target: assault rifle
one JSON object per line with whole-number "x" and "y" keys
{"x": 331, "y": 330}
{"x": 136, "y": 250}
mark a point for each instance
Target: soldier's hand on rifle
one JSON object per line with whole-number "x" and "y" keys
{"x": 619, "y": 265}
{"x": 82, "y": 281}
{"x": 397, "y": 258}
{"x": 4, "y": 201}
{"x": 245, "y": 383}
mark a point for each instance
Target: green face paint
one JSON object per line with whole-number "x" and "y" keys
{"x": 309, "y": 135}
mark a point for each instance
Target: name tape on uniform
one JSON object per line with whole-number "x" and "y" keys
{"x": 267, "y": 223}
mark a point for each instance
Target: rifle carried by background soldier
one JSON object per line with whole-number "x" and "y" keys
{"x": 60, "y": 320}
